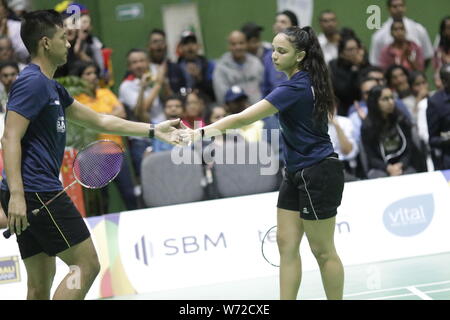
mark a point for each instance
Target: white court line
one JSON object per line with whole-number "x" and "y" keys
{"x": 419, "y": 293}
{"x": 440, "y": 290}
{"x": 396, "y": 296}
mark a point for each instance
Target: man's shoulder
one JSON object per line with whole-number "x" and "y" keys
{"x": 128, "y": 83}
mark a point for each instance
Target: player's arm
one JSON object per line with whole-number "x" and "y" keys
{"x": 258, "y": 111}
{"x": 15, "y": 128}
{"x": 86, "y": 117}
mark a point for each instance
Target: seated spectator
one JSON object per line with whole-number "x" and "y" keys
{"x": 438, "y": 118}
{"x": 197, "y": 69}
{"x": 272, "y": 77}
{"x": 330, "y": 36}
{"x": 237, "y": 67}
{"x": 236, "y": 100}
{"x": 340, "y": 130}
{"x": 7, "y": 52}
{"x": 386, "y": 136}
{"x": 11, "y": 29}
{"x": 345, "y": 70}
{"x": 174, "y": 79}
{"x": 442, "y": 53}
{"x": 415, "y": 32}
{"x": 8, "y": 74}
{"x": 102, "y": 100}
{"x": 255, "y": 46}
{"x": 418, "y": 83}
{"x": 373, "y": 72}
{"x": 173, "y": 109}
{"x": 397, "y": 80}
{"x": 193, "y": 115}
{"x": 402, "y": 51}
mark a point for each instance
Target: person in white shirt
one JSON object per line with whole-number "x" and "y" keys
{"x": 329, "y": 38}
{"x": 414, "y": 30}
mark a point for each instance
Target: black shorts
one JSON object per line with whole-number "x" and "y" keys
{"x": 54, "y": 229}
{"x": 316, "y": 191}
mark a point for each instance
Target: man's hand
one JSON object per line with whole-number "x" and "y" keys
{"x": 361, "y": 113}
{"x": 17, "y": 214}
{"x": 167, "y": 132}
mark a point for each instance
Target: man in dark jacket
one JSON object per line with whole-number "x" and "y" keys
{"x": 438, "y": 118}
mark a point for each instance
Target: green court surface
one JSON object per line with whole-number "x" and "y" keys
{"x": 418, "y": 278}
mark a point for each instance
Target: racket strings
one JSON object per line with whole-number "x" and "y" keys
{"x": 98, "y": 164}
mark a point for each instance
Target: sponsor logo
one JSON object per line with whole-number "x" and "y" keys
{"x": 409, "y": 216}
{"x": 60, "y": 125}
{"x": 9, "y": 269}
{"x": 145, "y": 250}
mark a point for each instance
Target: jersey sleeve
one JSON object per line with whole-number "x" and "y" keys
{"x": 283, "y": 97}
{"x": 28, "y": 97}
{"x": 65, "y": 98}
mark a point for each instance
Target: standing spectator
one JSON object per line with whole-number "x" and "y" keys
{"x": 237, "y": 67}
{"x": 272, "y": 77}
{"x": 174, "y": 79}
{"x": 345, "y": 70}
{"x": 138, "y": 97}
{"x": 386, "y": 136}
{"x": 8, "y": 74}
{"x": 19, "y": 7}
{"x": 402, "y": 51}
{"x": 442, "y": 53}
{"x": 197, "y": 69}
{"x": 438, "y": 118}
{"x": 195, "y": 106}
{"x": 255, "y": 46}
{"x": 11, "y": 29}
{"x": 102, "y": 100}
{"x": 414, "y": 30}
{"x": 329, "y": 38}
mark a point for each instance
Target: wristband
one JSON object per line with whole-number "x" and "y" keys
{"x": 151, "y": 131}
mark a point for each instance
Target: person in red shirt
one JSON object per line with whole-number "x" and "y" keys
{"x": 402, "y": 51}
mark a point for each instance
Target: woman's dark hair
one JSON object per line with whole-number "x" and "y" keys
{"x": 396, "y": 20}
{"x": 347, "y": 34}
{"x": 444, "y": 42}
{"x": 304, "y": 39}
{"x": 291, "y": 15}
{"x": 390, "y": 71}
{"x": 413, "y": 75}
{"x": 374, "y": 113}
{"x": 39, "y": 24}
{"x": 80, "y": 66}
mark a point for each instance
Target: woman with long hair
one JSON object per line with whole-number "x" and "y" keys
{"x": 313, "y": 183}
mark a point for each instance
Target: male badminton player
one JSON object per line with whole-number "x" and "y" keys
{"x": 33, "y": 149}
{"x": 313, "y": 183}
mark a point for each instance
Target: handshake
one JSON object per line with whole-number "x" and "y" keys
{"x": 176, "y": 132}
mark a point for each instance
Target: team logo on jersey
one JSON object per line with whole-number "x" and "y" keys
{"x": 60, "y": 125}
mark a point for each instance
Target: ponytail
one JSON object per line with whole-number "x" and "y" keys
{"x": 305, "y": 39}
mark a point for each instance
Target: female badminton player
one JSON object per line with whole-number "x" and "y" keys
{"x": 313, "y": 183}
{"x": 33, "y": 149}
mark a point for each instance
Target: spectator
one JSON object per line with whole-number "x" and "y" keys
{"x": 138, "y": 97}
{"x": 174, "y": 79}
{"x": 397, "y": 79}
{"x": 341, "y": 132}
{"x": 442, "y": 53}
{"x": 402, "y": 51}
{"x": 8, "y": 74}
{"x": 415, "y": 32}
{"x": 19, "y": 7}
{"x": 272, "y": 77}
{"x": 375, "y": 73}
{"x": 237, "y": 67}
{"x": 11, "y": 29}
{"x": 438, "y": 119}
{"x": 197, "y": 69}
{"x": 236, "y": 100}
{"x": 102, "y": 100}
{"x": 345, "y": 70}
{"x": 7, "y": 52}
{"x": 254, "y": 44}
{"x": 418, "y": 83}
{"x": 84, "y": 46}
{"x": 329, "y": 38}
{"x": 386, "y": 136}
{"x": 173, "y": 109}
{"x": 216, "y": 113}
{"x": 195, "y": 106}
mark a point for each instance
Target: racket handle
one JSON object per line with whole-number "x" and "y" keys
{"x": 7, "y": 234}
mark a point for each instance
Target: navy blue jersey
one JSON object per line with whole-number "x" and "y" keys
{"x": 306, "y": 142}
{"x": 43, "y": 102}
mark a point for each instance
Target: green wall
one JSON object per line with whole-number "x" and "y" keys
{"x": 219, "y": 17}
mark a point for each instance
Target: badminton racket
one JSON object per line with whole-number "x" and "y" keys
{"x": 94, "y": 167}
{"x": 269, "y": 249}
